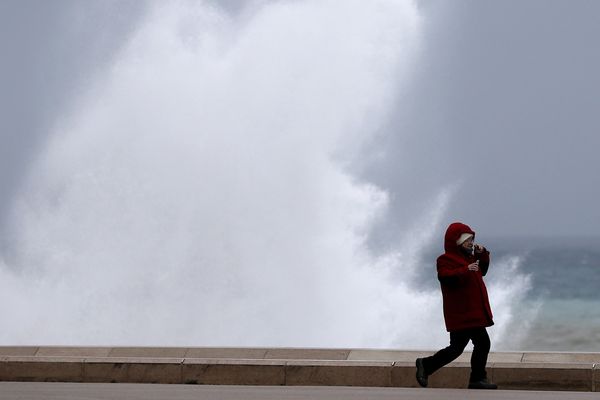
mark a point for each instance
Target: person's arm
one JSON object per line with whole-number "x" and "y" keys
{"x": 484, "y": 260}
{"x": 449, "y": 271}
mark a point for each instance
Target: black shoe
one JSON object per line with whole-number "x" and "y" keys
{"x": 421, "y": 375}
{"x": 482, "y": 384}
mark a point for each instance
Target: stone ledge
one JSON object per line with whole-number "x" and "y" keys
{"x": 256, "y": 366}
{"x": 41, "y": 369}
{"x": 233, "y": 372}
{"x": 132, "y": 370}
{"x": 543, "y": 376}
{"x": 339, "y": 373}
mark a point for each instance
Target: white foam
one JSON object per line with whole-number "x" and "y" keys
{"x": 198, "y": 194}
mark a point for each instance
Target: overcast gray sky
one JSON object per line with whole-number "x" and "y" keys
{"x": 506, "y": 100}
{"x": 504, "y": 104}
{"x": 49, "y": 52}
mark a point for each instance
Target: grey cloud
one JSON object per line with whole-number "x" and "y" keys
{"x": 49, "y": 52}
{"x": 504, "y": 100}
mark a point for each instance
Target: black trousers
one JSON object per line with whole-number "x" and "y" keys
{"x": 458, "y": 342}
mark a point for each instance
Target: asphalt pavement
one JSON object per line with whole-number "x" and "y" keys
{"x": 97, "y": 391}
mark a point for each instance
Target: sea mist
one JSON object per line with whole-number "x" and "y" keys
{"x": 200, "y": 191}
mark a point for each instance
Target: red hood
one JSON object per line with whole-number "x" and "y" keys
{"x": 452, "y": 234}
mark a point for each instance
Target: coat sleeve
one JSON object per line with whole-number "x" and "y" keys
{"x": 449, "y": 271}
{"x": 484, "y": 261}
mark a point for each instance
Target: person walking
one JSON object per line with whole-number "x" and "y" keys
{"x": 467, "y": 311}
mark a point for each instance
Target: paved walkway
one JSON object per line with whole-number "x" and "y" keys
{"x": 98, "y": 391}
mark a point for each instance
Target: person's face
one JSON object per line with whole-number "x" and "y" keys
{"x": 467, "y": 245}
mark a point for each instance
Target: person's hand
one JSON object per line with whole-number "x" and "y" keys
{"x": 474, "y": 266}
{"x": 478, "y": 248}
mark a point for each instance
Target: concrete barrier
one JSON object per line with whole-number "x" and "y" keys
{"x": 290, "y": 366}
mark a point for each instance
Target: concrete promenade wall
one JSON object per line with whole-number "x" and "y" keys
{"x": 290, "y": 366}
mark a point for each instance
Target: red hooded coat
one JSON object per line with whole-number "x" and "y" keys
{"x": 466, "y": 303}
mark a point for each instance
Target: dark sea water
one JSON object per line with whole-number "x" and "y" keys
{"x": 561, "y": 309}
{"x": 565, "y": 288}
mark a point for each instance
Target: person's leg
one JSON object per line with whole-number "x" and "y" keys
{"x": 481, "y": 349}
{"x": 458, "y": 342}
